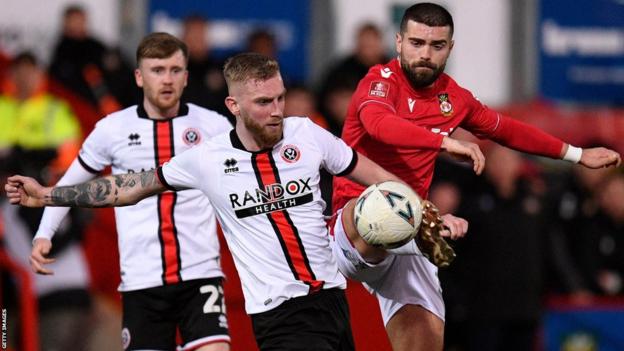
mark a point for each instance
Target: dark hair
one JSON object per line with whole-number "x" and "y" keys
{"x": 73, "y": 9}
{"x": 160, "y": 45}
{"x": 249, "y": 65}
{"x": 194, "y": 18}
{"x": 432, "y": 15}
{"x": 24, "y": 57}
{"x": 260, "y": 34}
{"x": 369, "y": 27}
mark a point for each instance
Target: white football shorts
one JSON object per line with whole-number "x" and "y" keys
{"x": 396, "y": 281}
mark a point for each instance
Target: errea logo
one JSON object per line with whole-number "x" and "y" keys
{"x": 134, "y": 139}
{"x": 230, "y": 166}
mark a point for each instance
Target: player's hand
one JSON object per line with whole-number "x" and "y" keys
{"x": 599, "y": 157}
{"x": 465, "y": 150}
{"x": 24, "y": 191}
{"x": 38, "y": 256}
{"x": 455, "y": 227}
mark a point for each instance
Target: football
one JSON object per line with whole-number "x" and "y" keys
{"x": 388, "y": 214}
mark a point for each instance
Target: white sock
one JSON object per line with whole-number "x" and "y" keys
{"x": 408, "y": 249}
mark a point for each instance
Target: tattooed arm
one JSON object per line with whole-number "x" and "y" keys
{"x": 110, "y": 191}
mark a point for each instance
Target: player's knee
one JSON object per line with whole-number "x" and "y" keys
{"x": 418, "y": 318}
{"x": 415, "y": 328}
{"x": 370, "y": 253}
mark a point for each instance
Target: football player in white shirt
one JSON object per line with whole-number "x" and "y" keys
{"x": 263, "y": 181}
{"x": 168, "y": 245}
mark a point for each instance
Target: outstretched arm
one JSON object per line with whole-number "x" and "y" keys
{"x": 110, "y": 191}
{"x": 527, "y": 138}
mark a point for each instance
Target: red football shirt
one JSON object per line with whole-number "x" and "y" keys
{"x": 401, "y": 128}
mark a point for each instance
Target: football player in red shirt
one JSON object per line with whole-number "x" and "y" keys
{"x": 401, "y": 116}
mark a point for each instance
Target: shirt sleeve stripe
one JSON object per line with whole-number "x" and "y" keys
{"x": 87, "y": 167}
{"x": 351, "y": 165}
{"x": 161, "y": 178}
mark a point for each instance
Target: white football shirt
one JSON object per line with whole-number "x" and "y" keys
{"x": 270, "y": 207}
{"x": 167, "y": 238}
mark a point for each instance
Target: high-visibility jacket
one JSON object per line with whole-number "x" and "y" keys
{"x": 39, "y": 122}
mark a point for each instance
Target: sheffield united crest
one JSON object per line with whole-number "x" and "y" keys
{"x": 290, "y": 153}
{"x": 191, "y": 136}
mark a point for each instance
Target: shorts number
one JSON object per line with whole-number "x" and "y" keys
{"x": 214, "y": 293}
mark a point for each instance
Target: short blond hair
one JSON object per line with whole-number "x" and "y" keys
{"x": 248, "y": 66}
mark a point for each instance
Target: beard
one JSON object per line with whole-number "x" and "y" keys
{"x": 421, "y": 79}
{"x": 162, "y": 103}
{"x": 263, "y": 137}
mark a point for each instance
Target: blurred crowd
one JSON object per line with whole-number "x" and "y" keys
{"x": 537, "y": 234}
{"x": 536, "y": 229}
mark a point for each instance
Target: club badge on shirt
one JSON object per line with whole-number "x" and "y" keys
{"x": 191, "y": 136}
{"x": 445, "y": 105}
{"x": 378, "y": 89}
{"x": 290, "y": 153}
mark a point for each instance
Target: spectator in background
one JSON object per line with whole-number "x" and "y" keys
{"x": 40, "y": 136}
{"x": 86, "y": 66}
{"x": 32, "y": 118}
{"x": 206, "y": 85}
{"x": 452, "y": 183}
{"x": 118, "y": 77}
{"x": 504, "y": 256}
{"x": 335, "y": 103}
{"x": 497, "y": 276}
{"x": 262, "y": 41}
{"x": 603, "y": 239}
{"x": 342, "y": 78}
{"x": 300, "y": 101}
{"x": 4, "y": 62}
{"x": 575, "y": 205}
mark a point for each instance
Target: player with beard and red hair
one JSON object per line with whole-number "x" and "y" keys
{"x": 263, "y": 180}
{"x": 401, "y": 116}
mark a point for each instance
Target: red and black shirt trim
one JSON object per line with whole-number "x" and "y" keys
{"x": 286, "y": 231}
{"x": 167, "y": 231}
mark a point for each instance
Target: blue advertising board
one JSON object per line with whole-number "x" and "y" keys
{"x": 232, "y": 21}
{"x": 587, "y": 330}
{"x": 581, "y": 47}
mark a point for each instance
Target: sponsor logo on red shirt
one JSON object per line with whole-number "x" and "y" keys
{"x": 379, "y": 89}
